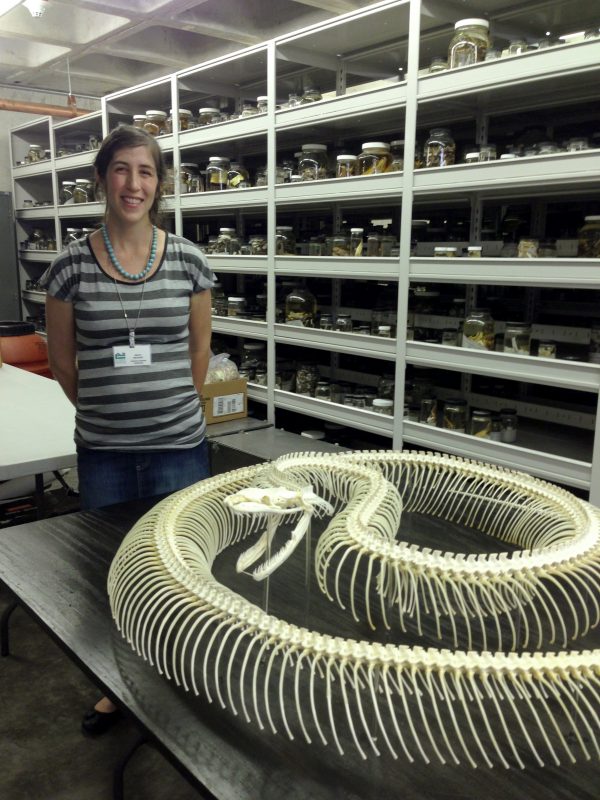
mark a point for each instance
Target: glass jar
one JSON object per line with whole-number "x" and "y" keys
{"x": 208, "y": 115}
{"x": 343, "y": 322}
{"x": 388, "y": 242}
{"x": 455, "y": 415}
{"x": 82, "y": 191}
{"x": 547, "y": 350}
{"x": 496, "y": 434}
{"x": 488, "y": 152}
{"x": 528, "y": 248}
{"x": 428, "y": 411}
{"x": 470, "y": 42}
{"x": 237, "y": 177}
{"x": 356, "y": 242}
{"x": 345, "y": 166}
{"x": 139, "y": 120}
{"x": 326, "y": 322}
{"x": 472, "y": 157}
{"x": 474, "y": 251}
{"x": 71, "y": 235}
{"x": 445, "y": 252}
{"x": 517, "y": 338}
{"x": 340, "y": 246}
{"x": 440, "y": 149}
{"x": 385, "y": 387}
{"x": 260, "y": 376}
{"x": 577, "y": 143}
{"x": 218, "y": 301}
{"x": 373, "y": 245}
{"x": 184, "y": 116}
{"x": 481, "y": 424}
{"x": 260, "y": 176}
{"x": 385, "y": 331}
{"x": 307, "y": 376}
{"x": 508, "y": 417}
{"x": 300, "y": 307}
{"x": 258, "y": 244}
{"x": 313, "y": 162}
{"x": 293, "y": 100}
{"x": 227, "y": 242}
{"x": 262, "y": 104}
{"x": 311, "y": 95}
{"x": 478, "y": 330}
{"x": 450, "y": 337}
{"x": 397, "y": 154}
{"x": 236, "y": 306}
{"x": 285, "y": 240}
{"x": 67, "y": 189}
{"x": 589, "y": 238}
{"x": 594, "y": 351}
{"x": 384, "y": 406}
{"x": 323, "y": 390}
{"x": 216, "y": 174}
{"x": 189, "y": 178}
{"x": 374, "y": 159}
{"x": 547, "y": 149}
{"x": 517, "y": 47}
{"x": 438, "y": 64}
{"x": 35, "y": 153}
{"x": 156, "y": 122}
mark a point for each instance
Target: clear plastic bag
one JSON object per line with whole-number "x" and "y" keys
{"x": 221, "y": 368}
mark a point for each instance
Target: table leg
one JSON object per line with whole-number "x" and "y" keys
{"x": 119, "y": 770}
{"x": 4, "y": 632}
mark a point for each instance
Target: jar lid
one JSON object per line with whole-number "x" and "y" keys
{"x": 593, "y": 218}
{"x": 152, "y": 112}
{"x": 380, "y": 402}
{"x": 217, "y": 158}
{"x": 463, "y": 23}
{"x": 262, "y": 98}
{"x": 474, "y": 154}
{"x": 284, "y": 228}
{"x": 396, "y": 142}
{"x": 384, "y": 328}
{"x": 72, "y": 183}
{"x": 507, "y": 156}
{"x": 208, "y": 109}
{"x": 227, "y": 230}
{"x": 308, "y": 147}
{"x": 479, "y": 412}
{"x": 35, "y": 146}
{"x": 188, "y": 164}
{"x": 236, "y": 299}
{"x": 81, "y": 181}
{"x": 357, "y": 230}
{"x": 346, "y": 157}
{"x": 369, "y": 145}
{"x": 183, "y": 111}
{"x": 254, "y": 346}
{"x": 474, "y": 247}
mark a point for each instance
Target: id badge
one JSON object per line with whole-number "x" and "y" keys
{"x": 140, "y": 355}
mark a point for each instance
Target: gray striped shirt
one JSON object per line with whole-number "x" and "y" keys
{"x": 152, "y": 407}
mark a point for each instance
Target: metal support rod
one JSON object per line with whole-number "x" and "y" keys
{"x": 4, "y": 628}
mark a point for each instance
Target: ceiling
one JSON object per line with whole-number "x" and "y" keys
{"x": 107, "y": 45}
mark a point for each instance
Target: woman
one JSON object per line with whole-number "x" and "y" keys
{"x": 128, "y": 315}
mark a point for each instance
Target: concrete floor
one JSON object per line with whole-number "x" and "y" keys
{"x": 43, "y": 695}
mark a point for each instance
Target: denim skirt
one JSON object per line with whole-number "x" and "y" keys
{"x": 111, "y": 476}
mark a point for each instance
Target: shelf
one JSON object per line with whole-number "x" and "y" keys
{"x": 530, "y": 369}
{"x": 568, "y": 273}
{"x": 247, "y": 265}
{"x": 343, "y": 415}
{"x": 42, "y": 256}
{"x": 81, "y": 210}
{"x": 39, "y": 212}
{"x": 349, "y": 105}
{"x": 206, "y": 202}
{"x": 43, "y": 167}
{"x": 222, "y": 132}
{"x": 333, "y": 267}
{"x": 257, "y": 393}
{"x": 356, "y": 344}
{"x": 518, "y": 176}
{"x": 84, "y": 160}
{"x": 522, "y": 76}
{"x": 362, "y": 188}
{"x": 560, "y": 468}
{"x": 234, "y": 326}
{"x": 33, "y": 297}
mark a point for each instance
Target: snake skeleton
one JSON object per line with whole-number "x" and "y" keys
{"x": 489, "y": 706}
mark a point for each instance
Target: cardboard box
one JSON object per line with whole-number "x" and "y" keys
{"x": 225, "y": 400}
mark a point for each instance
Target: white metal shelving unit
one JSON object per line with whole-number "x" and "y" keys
{"x": 367, "y": 65}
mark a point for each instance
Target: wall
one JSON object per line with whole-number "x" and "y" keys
{"x": 11, "y": 119}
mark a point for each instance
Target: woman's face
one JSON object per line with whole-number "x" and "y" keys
{"x": 131, "y": 184}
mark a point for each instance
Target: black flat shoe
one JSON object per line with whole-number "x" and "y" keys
{"x": 95, "y": 723}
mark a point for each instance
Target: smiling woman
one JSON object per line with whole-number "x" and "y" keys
{"x": 128, "y": 315}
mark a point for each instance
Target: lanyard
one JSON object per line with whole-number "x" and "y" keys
{"x": 137, "y": 319}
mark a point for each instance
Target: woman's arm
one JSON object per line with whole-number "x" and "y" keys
{"x": 200, "y": 332}
{"x": 62, "y": 348}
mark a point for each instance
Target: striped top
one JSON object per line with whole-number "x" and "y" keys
{"x": 152, "y": 407}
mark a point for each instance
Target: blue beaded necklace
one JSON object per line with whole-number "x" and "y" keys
{"x": 115, "y": 260}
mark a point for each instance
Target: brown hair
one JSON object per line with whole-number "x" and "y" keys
{"x": 128, "y": 136}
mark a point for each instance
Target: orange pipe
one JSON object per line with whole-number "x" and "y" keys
{"x": 41, "y": 108}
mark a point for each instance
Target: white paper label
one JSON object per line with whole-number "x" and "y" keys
{"x": 228, "y": 404}
{"x": 138, "y": 356}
